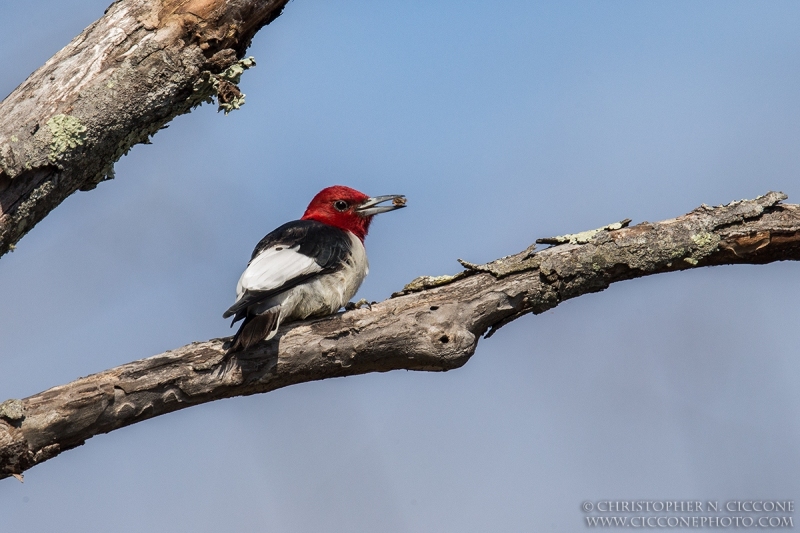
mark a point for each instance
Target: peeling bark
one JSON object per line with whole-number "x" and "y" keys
{"x": 115, "y": 85}
{"x": 433, "y": 324}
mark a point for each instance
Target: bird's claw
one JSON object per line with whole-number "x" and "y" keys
{"x": 358, "y": 305}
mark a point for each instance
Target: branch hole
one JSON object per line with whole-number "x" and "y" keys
{"x": 444, "y": 339}
{"x": 434, "y": 307}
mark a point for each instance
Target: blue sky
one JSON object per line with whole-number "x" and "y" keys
{"x": 501, "y": 124}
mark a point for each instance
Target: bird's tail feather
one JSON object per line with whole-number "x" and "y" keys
{"x": 256, "y": 328}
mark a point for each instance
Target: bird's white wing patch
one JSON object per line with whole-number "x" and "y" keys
{"x": 274, "y": 267}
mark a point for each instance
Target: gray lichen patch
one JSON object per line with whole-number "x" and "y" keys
{"x": 705, "y": 244}
{"x": 427, "y": 282}
{"x": 223, "y": 85}
{"x": 233, "y": 73}
{"x": 68, "y": 133}
{"x": 12, "y": 410}
{"x": 584, "y": 236}
{"x": 204, "y": 89}
{"x": 703, "y": 239}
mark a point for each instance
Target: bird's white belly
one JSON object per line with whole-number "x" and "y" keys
{"x": 327, "y": 293}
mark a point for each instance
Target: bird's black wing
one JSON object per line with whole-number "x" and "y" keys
{"x": 329, "y": 246}
{"x": 284, "y": 258}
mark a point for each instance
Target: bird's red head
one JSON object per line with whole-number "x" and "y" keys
{"x": 349, "y": 209}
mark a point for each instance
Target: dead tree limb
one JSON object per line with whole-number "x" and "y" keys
{"x": 433, "y": 324}
{"x": 115, "y": 85}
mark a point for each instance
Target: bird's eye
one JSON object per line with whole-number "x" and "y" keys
{"x": 340, "y": 205}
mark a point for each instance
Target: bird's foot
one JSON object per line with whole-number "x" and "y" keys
{"x": 358, "y": 305}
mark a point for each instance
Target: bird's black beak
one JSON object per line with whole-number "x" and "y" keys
{"x": 370, "y": 206}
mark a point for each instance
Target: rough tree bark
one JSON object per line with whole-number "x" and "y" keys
{"x": 433, "y": 324}
{"x": 116, "y": 84}
{"x": 145, "y": 62}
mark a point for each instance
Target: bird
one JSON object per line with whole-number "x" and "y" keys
{"x": 307, "y": 268}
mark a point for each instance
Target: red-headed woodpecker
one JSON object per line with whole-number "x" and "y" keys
{"x": 309, "y": 267}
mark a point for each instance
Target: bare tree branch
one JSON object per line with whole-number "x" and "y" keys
{"x": 115, "y": 85}
{"x": 433, "y": 324}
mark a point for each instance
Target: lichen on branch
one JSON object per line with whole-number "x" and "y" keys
{"x": 143, "y": 63}
{"x": 68, "y": 133}
{"x": 434, "y": 324}
{"x": 223, "y": 86}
